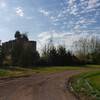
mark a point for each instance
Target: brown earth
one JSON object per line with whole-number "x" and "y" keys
{"x": 38, "y": 87}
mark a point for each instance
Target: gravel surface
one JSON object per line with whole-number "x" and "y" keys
{"x": 38, "y": 87}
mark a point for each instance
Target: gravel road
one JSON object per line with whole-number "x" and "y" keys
{"x": 37, "y": 87}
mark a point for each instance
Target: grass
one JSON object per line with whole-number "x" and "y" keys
{"x": 53, "y": 69}
{"x": 95, "y": 81}
{"x": 87, "y": 84}
{"x": 5, "y": 73}
{"x": 17, "y": 71}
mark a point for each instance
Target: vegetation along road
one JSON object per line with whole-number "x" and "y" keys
{"x": 39, "y": 86}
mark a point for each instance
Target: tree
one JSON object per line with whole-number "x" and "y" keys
{"x": 66, "y": 57}
{"x": 49, "y": 55}
{"x": 58, "y": 56}
{"x": 62, "y": 55}
{"x": 17, "y": 35}
{"x": 88, "y": 49}
{"x": 52, "y": 56}
{"x": 82, "y": 48}
{"x": 95, "y": 54}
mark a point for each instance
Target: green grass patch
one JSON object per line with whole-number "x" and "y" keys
{"x": 52, "y": 69}
{"x": 87, "y": 84}
{"x": 95, "y": 81}
{"x": 4, "y": 72}
{"x": 17, "y": 71}
{"x": 92, "y": 66}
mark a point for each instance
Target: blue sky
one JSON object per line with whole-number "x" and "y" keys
{"x": 64, "y": 20}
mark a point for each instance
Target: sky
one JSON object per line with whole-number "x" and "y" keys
{"x": 62, "y": 20}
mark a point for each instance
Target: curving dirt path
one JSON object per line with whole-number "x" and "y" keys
{"x": 37, "y": 87}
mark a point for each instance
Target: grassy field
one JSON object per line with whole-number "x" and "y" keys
{"x": 18, "y": 71}
{"x": 87, "y": 85}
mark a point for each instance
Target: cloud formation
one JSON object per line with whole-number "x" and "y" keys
{"x": 44, "y": 12}
{"x": 76, "y": 18}
{"x": 77, "y": 14}
{"x": 57, "y": 38}
{"x": 19, "y": 11}
{"x": 64, "y": 38}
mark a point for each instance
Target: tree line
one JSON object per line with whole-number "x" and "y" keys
{"x": 86, "y": 51}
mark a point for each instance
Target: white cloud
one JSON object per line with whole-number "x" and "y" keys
{"x": 74, "y": 11}
{"x": 72, "y": 8}
{"x": 19, "y": 11}
{"x": 89, "y": 6}
{"x": 71, "y": 2}
{"x": 57, "y": 37}
{"x": 44, "y": 12}
{"x": 53, "y": 34}
{"x": 85, "y": 21}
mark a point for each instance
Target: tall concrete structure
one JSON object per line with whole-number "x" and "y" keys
{"x": 8, "y": 46}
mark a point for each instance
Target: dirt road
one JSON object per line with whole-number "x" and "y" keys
{"x": 37, "y": 87}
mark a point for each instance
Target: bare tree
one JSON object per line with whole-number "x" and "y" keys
{"x": 87, "y": 49}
